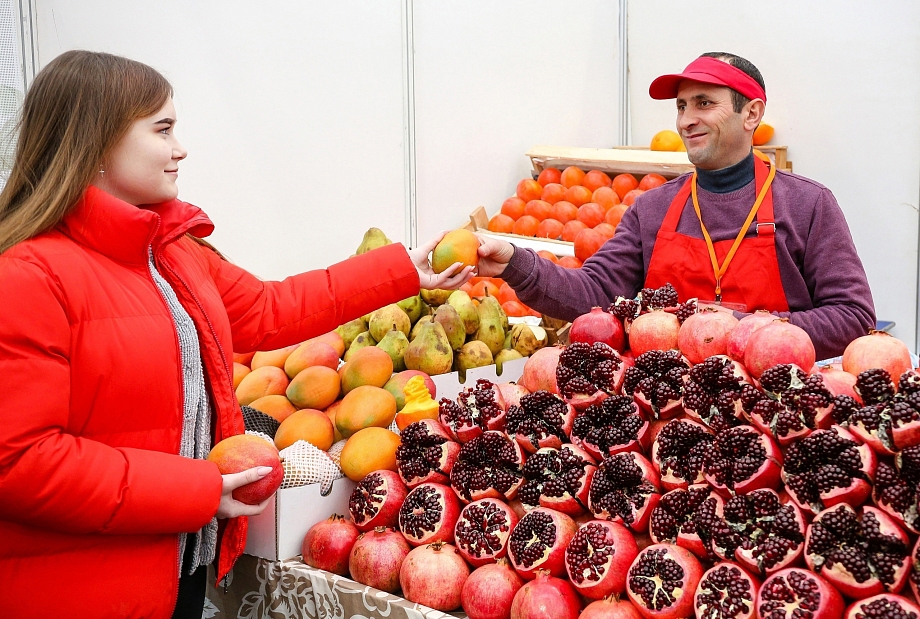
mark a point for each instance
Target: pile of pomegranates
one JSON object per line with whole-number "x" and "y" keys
{"x": 723, "y": 476}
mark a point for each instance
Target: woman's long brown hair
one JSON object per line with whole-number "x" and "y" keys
{"x": 76, "y": 110}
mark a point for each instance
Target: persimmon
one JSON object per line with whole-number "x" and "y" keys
{"x": 650, "y": 181}
{"x": 615, "y": 214}
{"x": 606, "y": 197}
{"x": 623, "y": 184}
{"x": 526, "y": 225}
{"x": 529, "y": 189}
{"x": 630, "y": 198}
{"x": 548, "y": 255}
{"x": 549, "y": 229}
{"x": 763, "y": 134}
{"x": 538, "y": 209}
{"x": 513, "y": 207}
{"x": 515, "y": 308}
{"x": 591, "y": 214}
{"x": 666, "y": 140}
{"x": 501, "y": 223}
{"x": 506, "y": 293}
{"x": 552, "y": 193}
{"x": 587, "y": 243}
{"x": 572, "y": 176}
{"x": 570, "y": 262}
{"x": 571, "y": 230}
{"x": 606, "y": 229}
{"x": 484, "y": 288}
{"x": 549, "y": 175}
{"x": 564, "y": 211}
{"x": 578, "y": 195}
{"x": 595, "y": 179}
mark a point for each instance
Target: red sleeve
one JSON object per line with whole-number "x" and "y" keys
{"x": 56, "y": 480}
{"x": 268, "y": 315}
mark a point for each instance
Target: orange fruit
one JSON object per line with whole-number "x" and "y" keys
{"x": 578, "y": 195}
{"x": 606, "y": 229}
{"x": 666, "y": 140}
{"x": 570, "y": 262}
{"x": 308, "y": 425}
{"x": 630, "y": 197}
{"x": 615, "y": 214}
{"x": 272, "y": 357}
{"x": 369, "y": 450}
{"x": 501, "y": 223}
{"x": 623, "y": 184}
{"x": 529, "y": 189}
{"x": 456, "y": 246}
{"x": 266, "y": 380}
{"x": 239, "y": 373}
{"x": 552, "y": 193}
{"x": 549, "y": 229}
{"x": 330, "y": 413}
{"x": 650, "y": 181}
{"x": 564, "y": 211}
{"x": 333, "y": 339}
{"x": 587, "y": 243}
{"x": 363, "y": 407}
{"x": 572, "y": 176}
{"x": 591, "y": 214}
{"x": 571, "y": 230}
{"x": 367, "y": 366}
{"x": 484, "y": 288}
{"x": 515, "y": 309}
{"x": 538, "y": 209}
{"x": 548, "y": 255}
{"x": 506, "y": 293}
{"x": 526, "y": 225}
{"x": 549, "y": 175}
{"x": 763, "y": 134}
{"x": 315, "y": 387}
{"x": 277, "y": 407}
{"x": 606, "y": 197}
{"x": 243, "y": 358}
{"x": 513, "y": 207}
{"x": 595, "y": 179}
{"x": 308, "y": 354}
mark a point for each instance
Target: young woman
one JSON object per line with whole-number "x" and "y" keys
{"x": 117, "y": 328}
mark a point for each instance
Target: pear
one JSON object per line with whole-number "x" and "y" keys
{"x": 505, "y": 355}
{"x": 418, "y": 326}
{"x": 430, "y": 351}
{"x": 373, "y": 239}
{"x": 507, "y": 344}
{"x": 395, "y": 343}
{"x": 382, "y": 321}
{"x": 490, "y": 325}
{"x": 362, "y": 340}
{"x": 350, "y": 330}
{"x": 436, "y": 296}
{"x": 528, "y": 339}
{"x": 413, "y": 308}
{"x": 462, "y": 302}
{"x": 448, "y": 318}
{"x": 473, "y": 354}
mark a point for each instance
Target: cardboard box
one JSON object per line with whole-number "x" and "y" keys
{"x": 449, "y": 385}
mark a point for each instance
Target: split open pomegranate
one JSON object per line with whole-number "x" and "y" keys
{"x": 712, "y": 392}
{"x": 726, "y": 592}
{"x": 598, "y": 557}
{"x": 588, "y": 373}
{"x": 662, "y": 580}
{"x": 543, "y": 419}
{"x": 538, "y": 542}
{"x": 656, "y": 382}
{"x": 558, "y": 479}
{"x": 477, "y": 409}
{"x": 742, "y": 459}
{"x": 679, "y": 452}
{"x": 611, "y": 427}
{"x": 674, "y": 520}
{"x": 488, "y": 466}
{"x": 888, "y": 421}
{"x": 795, "y": 593}
{"x": 482, "y": 531}
{"x": 426, "y": 453}
{"x": 625, "y": 489}
{"x": 883, "y": 606}
{"x": 897, "y": 488}
{"x": 429, "y": 514}
{"x": 376, "y": 500}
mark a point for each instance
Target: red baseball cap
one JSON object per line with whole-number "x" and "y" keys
{"x": 708, "y": 71}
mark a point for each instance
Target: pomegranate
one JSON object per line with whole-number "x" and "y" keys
{"x": 896, "y": 488}
{"x": 477, "y": 409}
{"x": 610, "y": 608}
{"x": 755, "y": 529}
{"x": 712, "y": 392}
{"x": 488, "y": 466}
{"x": 598, "y": 326}
{"x": 860, "y": 556}
{"x": 546, "y": 597}
{"x": 558, "y": 479}
{"x": 837, "y": 381}
{"x": 482, "y": 531}
{"x": 795, "y": 593}
{"x": 434, "y": 575}
{"x": 705, "y": 334}
{"x": 512, "y": 393}
{"x": 376, "y": 500}
{"x": 826, "y": 468}
{"x": 540, "y": 370}
{"x": 598, "y": 556}
{"x": 742, "y": 459}
{"x": 625, "y": 489}
{"x": 489, "y": 591}
{"x": 679, "y": 452}
{"x": 726, "y": 592}
{"x": 611, "y": 427}
{"x": 376, "y": 557}
{"x": 328, "y": 544}
{"x": 425, "y": 453}
{"x": 915, "y": 573}
{"x": 792, "y": 403}
{"x": 674, "y": 520}
{"x": 656, "y": 330}
{"x": 777, "y": 343}
{"x": 889, "y": 421}
{"x": 542, "y": 420}
{"x": 588, "y": 373}
{"x": 538, "y": 542}
{"x": 738, "y": 338}
{"x": 656, "y": 383}
{"x": 429, "y": 514}
{"x": 662, "y": 580}
{"x": 876, "y": 350}
{"x": 883, "y": 605}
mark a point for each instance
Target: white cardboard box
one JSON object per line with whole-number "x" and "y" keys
{"x": 449, "y": 385}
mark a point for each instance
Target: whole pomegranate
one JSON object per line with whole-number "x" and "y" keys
{"x": 328, "y": 544}
{"x": 538, "y": 542}
{"x": 598, "y": 556}
{"x": 610, "y": 608}
{"x": 738, "y": 339}
{"x": 434, "y": 575}
{"x": 656, "y": 330}
{"x": 489, "y": 591}
{"x": 726, "y": 591}
{"x": 662, "y": 580}
{"x": 876, "y": 350}
{"x": 376, "y": 557}
{"x": 540, "y": 370}
{"x": 794, "y": 592}
{"x": 705, "y": 334}
{"x": 546, "y": 597}
{"x": 883, "y": 605}
{"x": 776, "y": 343}
{"x": 598, "y": 326}
{"x": 376, "y": 500}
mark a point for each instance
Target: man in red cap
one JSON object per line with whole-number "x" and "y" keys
{"x": 737, "y": 232}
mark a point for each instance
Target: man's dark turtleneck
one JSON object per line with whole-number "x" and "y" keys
{"x": 727, "y": 179}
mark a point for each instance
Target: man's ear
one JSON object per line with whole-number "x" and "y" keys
{"x": 753, "y": 114}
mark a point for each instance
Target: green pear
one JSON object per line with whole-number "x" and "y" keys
{"x": 395, "y": 343}
{"x": 505, "y": 355}
{"x": 436, "y": 297}
{"x": 418, "y": 326}
{"x": 413, "y": 308}
{"x": 448, "y": 318}
{"x": 362, "y": 340}
{"x": 430, "y": 351}
{"x": 473, "y": 354}
{"x": 382, "y": 321}
{"x": 350, "y": 330}
{"x": 528, "y": 339}
{"x": 373, "y": 239}
{"x": 490, "y": 325}
{"x": 462, "y": 302}
{"x": 507, "y": 344}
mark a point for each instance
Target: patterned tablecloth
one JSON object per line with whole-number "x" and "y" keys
{"x": 262, "y": 589}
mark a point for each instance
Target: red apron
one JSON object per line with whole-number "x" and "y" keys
{"x": 753, "y": 279}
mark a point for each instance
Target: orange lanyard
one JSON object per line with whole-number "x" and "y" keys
{"x": 718, "y": 270}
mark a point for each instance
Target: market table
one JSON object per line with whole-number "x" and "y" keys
{"x": 263, "y": 589}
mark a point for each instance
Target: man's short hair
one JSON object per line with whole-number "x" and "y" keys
{"x": 738, "y": 99}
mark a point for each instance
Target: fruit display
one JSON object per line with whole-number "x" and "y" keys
{"x": 686, "y": 487}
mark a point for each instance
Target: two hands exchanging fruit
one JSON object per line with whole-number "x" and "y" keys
{"x": 458, "y": 255}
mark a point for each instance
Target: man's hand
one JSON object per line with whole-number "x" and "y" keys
{"x": 230, "y": 507}
{"x": 450, "y": 279}
{"x": 494, "y": 256}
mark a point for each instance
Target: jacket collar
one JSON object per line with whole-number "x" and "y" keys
{"x": 124, "y": 232}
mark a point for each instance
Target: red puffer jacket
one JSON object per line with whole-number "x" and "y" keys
{"x": 92, "y": 491}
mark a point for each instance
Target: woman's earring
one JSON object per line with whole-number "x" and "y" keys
{"x": 101, "y": 171}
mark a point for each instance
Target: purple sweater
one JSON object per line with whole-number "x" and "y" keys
{"x": 823, "y": 278}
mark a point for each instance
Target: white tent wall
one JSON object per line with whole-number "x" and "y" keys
{"x": 843, "y": 82}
